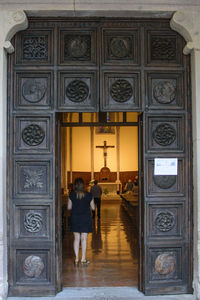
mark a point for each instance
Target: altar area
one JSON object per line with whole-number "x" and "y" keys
{"x": 110, "y": 190}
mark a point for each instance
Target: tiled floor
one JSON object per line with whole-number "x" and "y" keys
{"x": 112, "y": 251}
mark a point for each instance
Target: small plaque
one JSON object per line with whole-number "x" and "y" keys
{"x": 166, "y": 166}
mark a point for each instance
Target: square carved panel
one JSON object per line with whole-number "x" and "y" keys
{"x": 165, "y": 264}
{"x": 166, "y": 220}
{"x": 164, "y": 48}
{"x": 120, "y": 47}
{"x": 32, "y": 178}
{"x": 32, "y": 221}
{"x": 33, "y": 90}
{"x": 78, "y": 47}
{"x": 165, "y": 134}
{"x": 78, "y": 91}
{"x": 34, "y": 47}
{"x": 165, "y": 185}
{"x": 33, "y": 135}
{"x": 165, "y": 90}
{"x": 33, "y": 266}
{"x": 120, "y": 91}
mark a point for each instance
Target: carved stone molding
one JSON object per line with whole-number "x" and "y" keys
{"x": 14, "y": 22}
{"x": 188, "y": 25}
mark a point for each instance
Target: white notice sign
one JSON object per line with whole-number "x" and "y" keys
{"x": 165, "y": 166}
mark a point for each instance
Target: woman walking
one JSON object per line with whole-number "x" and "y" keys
{"x": 81, "y": 203}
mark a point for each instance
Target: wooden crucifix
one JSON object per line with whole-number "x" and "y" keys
{"x": 105, "y": 147}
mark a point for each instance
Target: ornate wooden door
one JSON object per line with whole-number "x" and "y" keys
{"x": 79, "y": 65}
{"x": 143, "y": 68}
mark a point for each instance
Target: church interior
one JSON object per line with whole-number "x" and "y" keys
{"x": 102, "y": 147}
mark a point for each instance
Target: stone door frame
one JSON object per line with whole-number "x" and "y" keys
{"x": 187, "y": 23}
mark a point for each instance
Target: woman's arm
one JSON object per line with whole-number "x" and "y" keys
{"x": 69, "y": 204}
{"x": 92, "y": 205}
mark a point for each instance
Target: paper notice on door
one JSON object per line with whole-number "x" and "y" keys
{"x": 165, "y": 166}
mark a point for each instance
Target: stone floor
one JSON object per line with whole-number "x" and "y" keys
{"x": 112, "y": 251}
{"x": 105, "y": 293}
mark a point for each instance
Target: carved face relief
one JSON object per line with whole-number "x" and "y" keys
{"x": 164, "y": 92}
{"x": 33, "y": 135}
{"x": 165, "y": 221}
{"x": 35, "y": 47}
{"x": 33, "y": 221}
{"x": 77, "y": 91}
{"x": 121, "y": 90}
{"x": 164, "y": 134}
{"x": 33, "y": 266}
{"x": 33, "y": 90}
{"x": 165, "y": 263}
{"x": 164, "y": 181}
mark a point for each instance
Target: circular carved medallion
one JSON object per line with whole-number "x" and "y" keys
{"x": 165, "y": 263}
{"x": 33, "y": 135}
{"x": 119, "y": 47}
{"x": 33, "y": 90}
{"x": 121, "y": 90}
{"x": 77, "y": 91}
{"x": 164, "y": 181}
{"x": 33, "y": 266}
{"x": 77, "y": 47}
{"x": 164, "y": 92}
{"x": 33, "y": 221}
{"x": 165, "y": 221}
{"x": 164, "y": 134}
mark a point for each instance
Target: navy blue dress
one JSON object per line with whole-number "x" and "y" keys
{"x": 81, "y": 220}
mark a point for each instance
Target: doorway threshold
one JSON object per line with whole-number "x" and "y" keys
{"x": 106, "y": 293}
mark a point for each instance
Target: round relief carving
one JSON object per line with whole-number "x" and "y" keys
{"x": 164, "y": 134}
{"x": 77, "y": 47}
{"x": 18, "y": 16}
{"x": 165, "y": 221}
{"x": 77, "y": 91}
{"x": 121, "y": 90}
{"x": 33, "y": 90}
{"x": 165, "y": 263}
{"x": 164, "y": 92}
{"x": 164, "y": 181}
{"x": 33, "y": 266}
{"x": 119, "y": 47}
{"x": 33, "y": 221}
{"x": 33, "y": 135}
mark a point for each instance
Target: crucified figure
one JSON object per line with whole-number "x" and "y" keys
{"x": 105, "y": 147}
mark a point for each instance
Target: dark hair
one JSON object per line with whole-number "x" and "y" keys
{"x": 95, "y": 182}
{"x": 79, "y": 187}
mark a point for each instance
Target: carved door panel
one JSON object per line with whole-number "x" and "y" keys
{"x": 143, "y": 69}
{"x": 54, "y": 68}
{"x": 167, "y": 198}
{"x": 120, "y": 75}
{"x": 69, "y": 65}
{"x": 31, "y": 171}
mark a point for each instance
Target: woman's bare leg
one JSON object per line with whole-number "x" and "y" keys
{"x": 84, "y": 245}
{"x": 76, "y": 245}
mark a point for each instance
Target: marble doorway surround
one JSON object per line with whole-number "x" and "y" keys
{"x": 185, "y": 20}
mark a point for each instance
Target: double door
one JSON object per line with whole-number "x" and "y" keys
{"x": 89, "y": 65}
